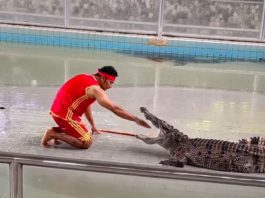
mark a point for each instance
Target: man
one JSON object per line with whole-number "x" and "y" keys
{"x": 74, "y": 99}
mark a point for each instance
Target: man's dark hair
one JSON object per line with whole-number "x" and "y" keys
{"x": 109, "y": 70}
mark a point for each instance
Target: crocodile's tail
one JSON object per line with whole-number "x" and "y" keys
{"x": 253, "y": 141}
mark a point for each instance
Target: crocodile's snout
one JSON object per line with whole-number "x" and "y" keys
{"x": 142, "y": 109}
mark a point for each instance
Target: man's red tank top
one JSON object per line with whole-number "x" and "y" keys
{"x": 71, "y": 100}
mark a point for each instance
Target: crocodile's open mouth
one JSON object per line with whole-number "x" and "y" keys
{"x": 164, "y": 127}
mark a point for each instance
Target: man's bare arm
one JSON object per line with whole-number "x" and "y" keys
{"x": 90, "y": 119}
{"x": 89, "y": 116}
{"x": 103, "y": 99}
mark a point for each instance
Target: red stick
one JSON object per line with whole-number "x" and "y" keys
{"x": 117, "y": 132}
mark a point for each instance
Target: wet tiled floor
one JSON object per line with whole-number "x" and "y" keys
{"x": 199, "y": 114}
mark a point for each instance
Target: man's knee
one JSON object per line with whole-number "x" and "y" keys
{"x": 86, "y": 144}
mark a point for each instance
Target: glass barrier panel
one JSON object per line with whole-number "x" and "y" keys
{"x": 30, "y": 11}
{"x": 58, "y": 183}
{"x": 213, "y": 17}
{"x": 4, "y": 180}
{"x": 118, "y": 15}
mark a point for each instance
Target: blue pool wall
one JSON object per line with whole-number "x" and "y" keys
{"x": 135, "y": 44}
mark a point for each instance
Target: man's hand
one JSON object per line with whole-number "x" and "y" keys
{"x": 94, "y": 130}
{"x": 141, "y": 123}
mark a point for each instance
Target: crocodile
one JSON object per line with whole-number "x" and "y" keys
{"x": 242, "y": 156}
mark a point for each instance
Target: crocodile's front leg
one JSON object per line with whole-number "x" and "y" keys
{"x": 178, "y": 159}
{"x": 173, "y": 162}
{"x": 150, "y": 140}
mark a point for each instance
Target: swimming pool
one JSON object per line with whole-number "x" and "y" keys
{"x": 169, "y": 47}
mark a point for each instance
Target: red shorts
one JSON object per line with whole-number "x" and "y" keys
{"x": 73, "y": 128}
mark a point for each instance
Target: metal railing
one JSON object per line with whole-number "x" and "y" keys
{"x": 16, "y": 162}
{"x": 65, "y": 20}
{"x": 262, "y": 27}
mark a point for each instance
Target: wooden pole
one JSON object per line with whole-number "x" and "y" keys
{"x": 117, "y": 132}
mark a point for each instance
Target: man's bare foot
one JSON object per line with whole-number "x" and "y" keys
{"x": 49, "y": 134}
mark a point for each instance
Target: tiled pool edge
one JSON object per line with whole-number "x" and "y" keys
{"x": 134, "y": 44}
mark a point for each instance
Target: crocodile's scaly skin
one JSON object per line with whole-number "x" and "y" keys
{"x": 243, "y": 156}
